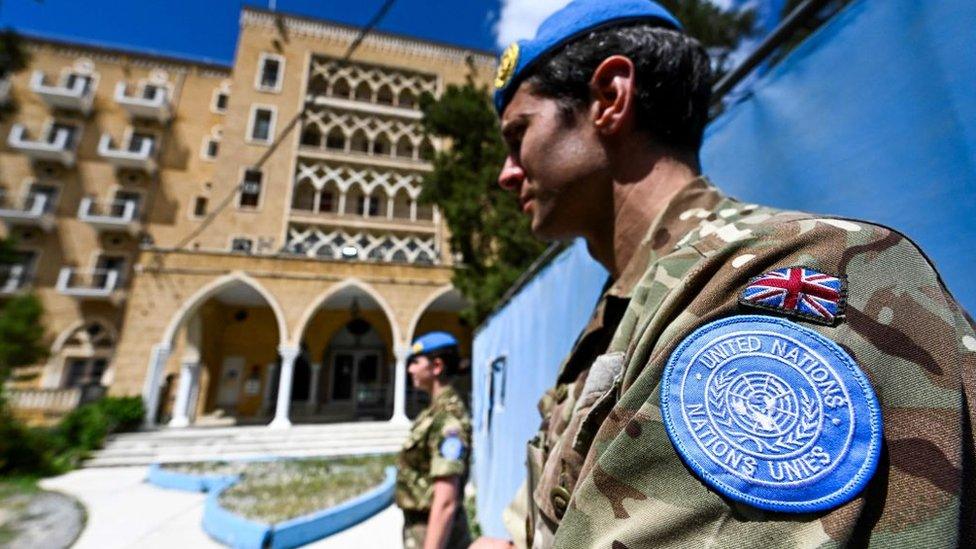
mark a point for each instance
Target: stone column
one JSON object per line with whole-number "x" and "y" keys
{"x": 154, "y": 374}
{"x": 288, "y": 356}
{"x": 181, "y": 408}
{"x": 400, "y": 385}
{"x": 313, "y": 391}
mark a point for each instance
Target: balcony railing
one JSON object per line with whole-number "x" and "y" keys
{"x": 30, "y": 209}
{"x": 59, "y": 149}
{"x": 94, "y": 283}
{"x": 114, "y": 215}
{"x": 48, "y": 400}
{"x": 141, "y": 159}
{"x": 157, "y": 107}
{"x": 12, "y": 279}
{"x": 79, "y": 96}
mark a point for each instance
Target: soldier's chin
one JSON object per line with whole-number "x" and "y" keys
{"x": 545, "y": 228}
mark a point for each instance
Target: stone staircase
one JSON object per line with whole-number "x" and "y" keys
{"x": 234, "y": 443}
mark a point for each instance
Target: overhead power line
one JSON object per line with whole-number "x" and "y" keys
{"x": 353, "y": 46}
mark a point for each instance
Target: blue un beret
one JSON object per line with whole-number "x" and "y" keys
{"x": 432, "y": 341}
{"x": 574, "y": 20}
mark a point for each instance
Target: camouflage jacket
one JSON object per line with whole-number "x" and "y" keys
{"x": 427, "y": 453}
{"x": 603, "y": 471}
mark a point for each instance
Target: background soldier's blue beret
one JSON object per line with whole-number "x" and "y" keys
{"x": 432, "y": 341}
{"x": 574, "y": 20}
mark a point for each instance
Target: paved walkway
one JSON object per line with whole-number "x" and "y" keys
{"x": 126, "y": 512}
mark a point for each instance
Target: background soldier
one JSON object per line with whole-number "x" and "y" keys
{"x": 433, "y": 464}
{"x": 750, "y": 376}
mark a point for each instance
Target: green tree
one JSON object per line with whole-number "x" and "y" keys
{"x": 13, "y": 58}
{"x": 720, "y": 31}
{"x": 489, "y": 235}
{"x": 21, "y": 334}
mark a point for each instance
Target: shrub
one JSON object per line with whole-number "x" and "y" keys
{"x": 45, "y": 451}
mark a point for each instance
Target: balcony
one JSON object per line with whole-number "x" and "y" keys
{"x": 139, "y": 154}
{"x": 58, "y": 147}
{"x": 74, "y": 92}
{"x": 114, "y": 215}
{"x": 13, "y": 278}
{"x": 153, "y": 103}
{"x": 30, "y": 210}
{"x": 92, "y": 283}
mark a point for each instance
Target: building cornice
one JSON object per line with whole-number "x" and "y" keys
{"x": 118, "y": 55}
{"x": 317, "y": 28}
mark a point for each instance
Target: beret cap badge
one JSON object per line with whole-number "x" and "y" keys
{"x": 506, "y": 66}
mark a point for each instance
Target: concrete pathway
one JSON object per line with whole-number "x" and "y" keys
{"x": 126, "y": 512}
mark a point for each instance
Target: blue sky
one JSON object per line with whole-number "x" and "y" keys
{"x": 207, "y": 29}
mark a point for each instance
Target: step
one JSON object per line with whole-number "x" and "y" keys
{"x": 170, "y": 458}
{"x": 228, "y": 446}
{"x": 255, "y": 437}
{"x": 247, "y": 442}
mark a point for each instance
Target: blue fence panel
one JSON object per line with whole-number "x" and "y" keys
{"x": 873, "y": 117}
{"x": 516, "y": 358}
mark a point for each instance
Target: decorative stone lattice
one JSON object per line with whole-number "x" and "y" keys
{"x": 317, "y": 243}
{"x": 369, "y": 83}
{"x": 373, "y": 135}
{"x": 393, "y": 193}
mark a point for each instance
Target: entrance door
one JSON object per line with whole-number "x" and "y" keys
{"x": 356, "y": 377}
{"x": 230, "y": 382}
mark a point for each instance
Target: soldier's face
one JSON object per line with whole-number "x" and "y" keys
{"x": 421, "y": 370}
{"x": 555, "y": 164}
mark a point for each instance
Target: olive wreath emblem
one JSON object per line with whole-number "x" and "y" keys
{"x": 796, "y": 438}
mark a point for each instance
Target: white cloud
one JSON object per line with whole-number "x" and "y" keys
{"x": 520, "y": 18}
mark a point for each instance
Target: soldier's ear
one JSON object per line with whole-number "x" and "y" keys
{"x": 613, "y": 93}
{"x": 437, "y": 366}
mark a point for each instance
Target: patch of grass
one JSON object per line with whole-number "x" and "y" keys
{"x": 17, "y": 485}
{"x": 274, "y": 491}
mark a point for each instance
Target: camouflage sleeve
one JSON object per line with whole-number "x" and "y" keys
{"x": 448, "y": 448}
{"x": 900, "y": 326}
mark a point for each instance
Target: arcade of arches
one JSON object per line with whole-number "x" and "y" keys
{"x": 228, "y": 365}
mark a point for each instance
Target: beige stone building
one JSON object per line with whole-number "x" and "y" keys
{"x": 170, "y": 268}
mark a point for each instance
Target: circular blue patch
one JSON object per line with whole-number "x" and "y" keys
{"x": 772, "y": 414}
{"x": 452, "y": 447}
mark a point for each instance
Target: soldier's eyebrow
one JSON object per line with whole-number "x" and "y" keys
{"x": 512, "y": 127}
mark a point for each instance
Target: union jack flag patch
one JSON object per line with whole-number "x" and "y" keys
{"x": 798, "y": 291}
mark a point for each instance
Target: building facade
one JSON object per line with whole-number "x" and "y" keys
{"x": 181, "y": 256}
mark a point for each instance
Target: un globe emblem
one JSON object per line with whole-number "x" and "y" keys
{"x": 771, "y": 413}
{"x": 763, "y": 404}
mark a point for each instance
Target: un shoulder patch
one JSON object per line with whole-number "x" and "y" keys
{"x": 771, "y": 414}
{"x": 452, "y": 447}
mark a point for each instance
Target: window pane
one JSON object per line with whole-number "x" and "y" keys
{"x": 221, "y": 101}
{"x": 76, "y": 372}
{"x": 213, "y": 147}
{"x": 200, "y": 206}
{"x": 241, "y": 245}
{"x": 262, "y": 125}
{"x": 269, "y": 73}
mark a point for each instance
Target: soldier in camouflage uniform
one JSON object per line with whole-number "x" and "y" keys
{"x": 859, "y": 428}
{"x": 432, "y": 467}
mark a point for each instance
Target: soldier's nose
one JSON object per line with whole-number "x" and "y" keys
{"x": 511, "y": 176}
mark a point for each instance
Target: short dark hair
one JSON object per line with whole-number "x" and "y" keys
{"x": 674, "y": 78}
{"x": 450, "y": 357}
